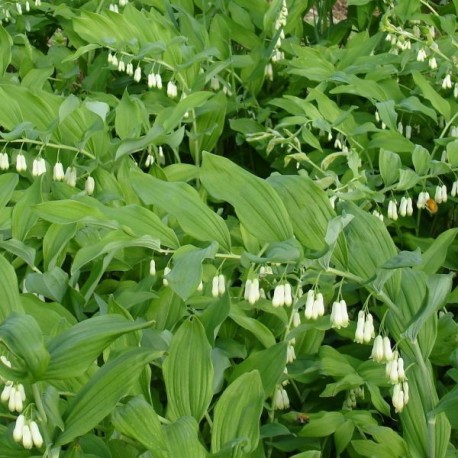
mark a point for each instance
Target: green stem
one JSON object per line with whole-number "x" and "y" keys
{"x": 51, "y": 145}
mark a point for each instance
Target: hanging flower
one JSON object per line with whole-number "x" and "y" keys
{"x": 4, "y": 161}
{"x": 21, "y": 165}
{"x": 58, "y": 172}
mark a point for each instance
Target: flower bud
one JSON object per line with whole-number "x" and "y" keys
{"x": 165, "y": 282}
{"x": 152, "y": 267}
{"x": 359, "y": 334}
{"x": 138, "y": 74}
{"x": 215, "y": 286}
{"x": 296, "y": 319}
{"x": 278, "y": 299}
{"x": 21, "y": 165}
{"x": 290, "y": 354}
{"x": 387, "y": 353}
{"x": 368, "y": 331}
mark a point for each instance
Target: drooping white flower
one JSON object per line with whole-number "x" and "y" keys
{"x": 38, "y": 167}
{"x": 138, "y": 74}
{"x": 377, "y": 350}
{"x": 421, "y": 56}
{"x": 318, "y": 306}
{"x": 288, "y": 297}
{"x": 18, "y": 428}
{"x": 4, "y": 161}
{"x": 444, "y": 196}
{"x": 149, "y": 160}
{"x": 19, "y": 8}
{"x": 290, "y": 354}
{"x": 221, "y": 284}
{"x": 447, "y": 82}
{"x": 281, "y": 400}
{"x": 27, "y": 441}
{"x": 58, "y": 173}
{"x": 454, "y": 190}
{"x": 378, "y": 215}
{"x": 369, "y": 331}
{"x": 172, "y": 90}
{"x": 152, "y": 267}
{"x": 70, "y": 176}
{"x": 278, "y": 299}
{"x": 409, "y": 206}
{"x": 36, "y": 435}
{"x": 151, "y": 80}
{"x": 387, "y": 352}
{"x": 89, "y": 185}
{"x": 121, "y": 66}
{"x": 438, "y": 195}
{"x": 423, "y": 198}
{"x": 215, "y": 286}
{"x": 21, "y": 165}
{"x": 432, "y": 63}
{"x": 393, "y": 210}
{"x": 455, "y": 91}
{"x": 403, "y": 206}
{"x": 296, "y": 319}
{"x": 158, "y": 81}
{"x": 400, "y": 369}
{"x": 359, "y": 334}
{"x": 269, "y": 72}
{"x": 309, "y": 304}
{"x": 254, "y": 293}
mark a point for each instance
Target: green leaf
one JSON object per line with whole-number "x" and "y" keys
{"x": 6, "y": 43}
{"x": 184, "y": 203}
{"x": 322, "y": 424}
{"x": 186, "y": 273}
{"x": 103, "y": 391}
{"x": 452, "y": 153}
{"x": 55, "y": 244}
{"x": 22, "y": 218}
{"x": 9, "y": 292}
{"x": 389, "y": 165}
{"x": 434, "y": 256}
{"x": 8, "y": 183}
{"x": 111, "y": 243}
{"x": 388, "y": 113}
{"x": 52, "y": 284}
{"x": 130, "y": 117}
{"x": 183, "y": 435}
{"x": 404, "y": 259}
{"x": 438, "y": 288}
{"x": 76, "y": 348}
{"x": 255, "y": 327}
{"x": 237, "y": 415}
{"x": 310, "y": 216}
{"x": 138, "y": 420}
{"x": 22, "y": 335}
{"x": 449, "y": 405}
{"x": 257, "y": 205}
{"x": 188, "y": 372}
{"x": 20, "y": 249}
{"x": 429, "y": 93}
{"x": 407, "y": 179}
{"x": 421, "y": 160}
{"x": 270, "y": 364}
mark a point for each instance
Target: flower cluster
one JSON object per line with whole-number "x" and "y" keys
{"x": 339, "y": 315}
{"x": 441, "y": 194}
{"x": 218, "y": 285}
{"x": 282, "y": 295}
{"x": 381, "y": 350}
{"x": 27, "y": 433}
{"x": 4, "y": 161}
{"x": 172, "y": 90}
{"x": 350, "y": 401}
{"x": 38, "y": 167}
{"x": 13, "y": 393}
{"x": 252, "y": 291}
{"x": 314, "y": 305}
{"x": 365, "y": 330}
{"x": 154, "y": 80}
{"x": 281, "y": 400}
{"x": 406, "y": 206}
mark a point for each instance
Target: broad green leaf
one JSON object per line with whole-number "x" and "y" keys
{"x": 138, "y": 420}
{"x": 6, "y": 43}
{"x": 188, "y": 372}
{"x": 22, "y": 218}
{"x": 257, "y": 205}
{"x": 385, "y": 435}
{"x": 184, "y": 435}
{"x": 237, "y": 414}
{"x": 452, "y": 153}
{"x": 310, "y": 216}
{"x": 103, "y": 391}
{"x": 421, "y": 160}
{"x": 434, "y": 256}
{"x": 23, "y": 337}
{"x": 389, "y": 166}
{"x": 413, "y": 104}
{"x": 184, "y": 203}
{"x": 8, "y": 183}
{"x": 322, "y": 424}
{"x": 404, "y": 259}
{"x": 438, "y": 288}
{"x": 370, "y": 448}
{"x": 255, "y": 327}
{"x": 9, "y": 292}
{"x": 20, "y": 249}
{"x": 270, "y": 364}
{"x": 111, "y": 243}
{"x": 76, "y": 348}
{"x": 51, "y": 284}
{"x": 334, "y": 363}
{"x": 429, "y": 93}
{"x": 407, "y": 179}
{"x": 186, "y": 273}
{"x": 449, "y": 405}
{"x": 55, "y": 244}
{"x": 388, "y": 113}
{"x": 343, "y": 435}
{"x": 131, "y": 116}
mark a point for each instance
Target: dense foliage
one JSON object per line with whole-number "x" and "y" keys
{"x": 228, "y": 229}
